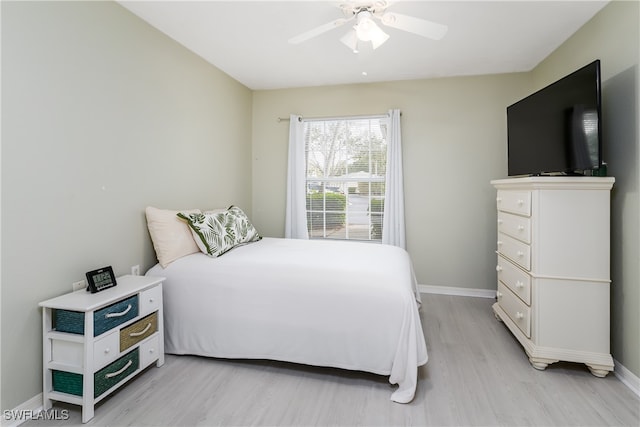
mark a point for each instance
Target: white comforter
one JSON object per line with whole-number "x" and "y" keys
{"x": 340, "y": 304}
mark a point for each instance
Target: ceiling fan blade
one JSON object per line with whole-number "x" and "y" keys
{"x": 318, "y": 30}
{"x": 422, "y": 27}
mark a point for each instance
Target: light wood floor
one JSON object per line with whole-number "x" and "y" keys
{"x": 477, "y": 374}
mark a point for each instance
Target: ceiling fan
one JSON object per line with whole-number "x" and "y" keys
{"x": 364, "y": 13}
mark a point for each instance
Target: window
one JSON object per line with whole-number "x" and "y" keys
{"x": 346, "y": 163}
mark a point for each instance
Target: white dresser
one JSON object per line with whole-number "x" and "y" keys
{"x": 553, "y": 268}
{"x": 94, "y": 343}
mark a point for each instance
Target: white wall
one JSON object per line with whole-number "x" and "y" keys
{"x": 454, "y": 143}
{"x": 101, "y": 116}
{"x": 613, "y": 36}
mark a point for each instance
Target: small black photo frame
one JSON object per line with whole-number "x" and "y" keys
{"x": 100, "y": 279}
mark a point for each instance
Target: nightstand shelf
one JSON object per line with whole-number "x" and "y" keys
{"x": 65, "y": 397}
{"x": 63, "y": 336}
{"x": 95, "y": 343}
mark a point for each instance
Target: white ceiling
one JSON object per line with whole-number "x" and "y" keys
{"x": 248, "y": 39}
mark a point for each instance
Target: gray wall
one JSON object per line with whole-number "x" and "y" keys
{"x": 613, "y": 36}
{"x": 454, "y": 143}
{"x": 102, "y": 115}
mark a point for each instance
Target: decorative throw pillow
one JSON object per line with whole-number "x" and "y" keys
{"x": 217, "y": 233}
{"x": 171, "y": 237}
{"x": 214, "y": 211}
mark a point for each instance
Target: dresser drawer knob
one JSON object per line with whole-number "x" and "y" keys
{"x": 519, "y": 284}
{"x": 521, "y": 228}
{"x": 520, "y": 202}
{"x": 519, "y": 315}
{"x": 500, "y": 222}
{"x": 107, "y": 350}
{"x": 122, "y": 313}
{"x": 498, "y": 268}
{"x": 499, "y": 294}
{"x": 499, "y": 242}
{"x": 498, "y": 199}
{"x": 520, "y": 254}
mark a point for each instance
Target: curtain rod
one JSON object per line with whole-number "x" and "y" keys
{"x": 311, "y": 119}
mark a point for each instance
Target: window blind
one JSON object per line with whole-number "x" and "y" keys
{"x": 346, "y": 161}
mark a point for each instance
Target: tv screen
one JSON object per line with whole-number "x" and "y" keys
{"x": 558, "y": 129}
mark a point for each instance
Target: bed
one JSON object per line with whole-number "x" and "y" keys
{"x": 347, "y": 305}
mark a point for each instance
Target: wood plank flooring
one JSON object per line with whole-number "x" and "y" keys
{"x": 477, "y": 375}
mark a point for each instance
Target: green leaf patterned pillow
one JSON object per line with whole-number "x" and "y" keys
{"x": 218, "y": 232}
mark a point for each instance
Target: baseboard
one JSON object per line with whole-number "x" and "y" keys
{"x": 627, "y": 377}
{"x": 463, "y": 292}
{"x": 24, "y": 412}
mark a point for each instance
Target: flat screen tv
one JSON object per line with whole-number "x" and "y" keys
{"x": 558, "y": 129}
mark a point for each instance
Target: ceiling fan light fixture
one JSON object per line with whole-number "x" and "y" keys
{"x": 363, "y": 12}
{"x": 367, "y": 30}
{"x": 378, "y": 37}
{"x": 365, "y": 26}
{"x": 351, "y": 40}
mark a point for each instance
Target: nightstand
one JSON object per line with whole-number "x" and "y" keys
{"x": 94, "y": 343}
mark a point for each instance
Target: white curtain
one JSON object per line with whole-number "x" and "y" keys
{"x": 296, "y": 210}
{"x": 393, "y": 227}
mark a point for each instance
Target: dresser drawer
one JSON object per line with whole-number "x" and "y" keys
{"x": 136, "y": 332}
{"x": 515, "y": 226}
{"x": 108, "y": 377}
{"x": 518, "y": 311}
{"x": 515, "y": 250}
{"x": 515, "y": 279}
{"x": 106, "y": 349}
{"x": 103, "y": 380}
{"x": 150, "y": 300}
{"x": 518, "y": 202}
{"x": 114, "y": 315}
{"x": 149, "y": 351}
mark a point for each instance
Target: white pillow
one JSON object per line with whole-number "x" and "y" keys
{"x": 171, "y": 237}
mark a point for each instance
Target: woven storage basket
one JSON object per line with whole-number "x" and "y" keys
{"x": 103, "y": 381}
{"x": 68, "y": 321}
{"x": 67, "y": 382}
{"x": 71, "y": 383}
{"x": 116, "y": 314}
{"x": 138, "y": 331}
